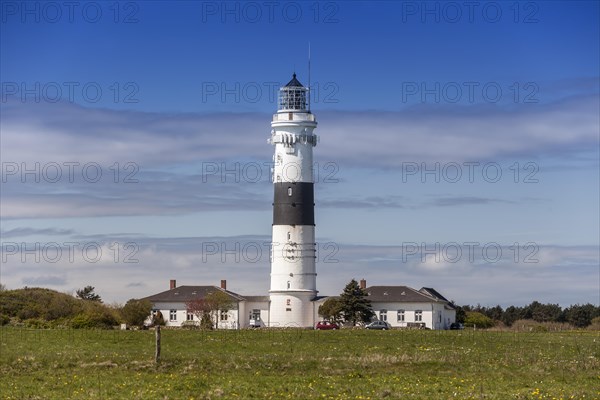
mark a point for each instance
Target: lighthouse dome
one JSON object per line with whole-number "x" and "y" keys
{"x": 294, "y": 82}
{"x": 292, "y": 96}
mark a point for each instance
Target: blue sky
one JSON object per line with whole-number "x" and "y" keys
{"x": 170, "y": 102}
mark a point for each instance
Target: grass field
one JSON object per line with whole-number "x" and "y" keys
{"x": 299, "y": 364}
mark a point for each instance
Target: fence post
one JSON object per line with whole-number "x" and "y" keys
{"x": 157, "y": 352}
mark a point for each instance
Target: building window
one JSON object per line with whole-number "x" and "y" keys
{"x": 418, "y": 316}
{"x": 189, "y": 316}
{"x": 255, "y": 315}
{"x": 289, "y": 191}
{"x": 288, "y": 302}
{"x": 172, "y": 315}
{"x": 383, "y": 315}
{"x": 400, "y": 315}
{"x": 224, "y": 315}
{"x": 440, "y": 318}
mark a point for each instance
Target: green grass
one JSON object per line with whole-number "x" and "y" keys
{"x": 299, "y": 364}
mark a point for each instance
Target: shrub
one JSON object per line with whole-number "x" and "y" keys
{"x": 595, "y": 325}
{"x": 95, "y": 315}
{"x": 478, "y": 319}
{"x": 36, "y": 323}
{"x": 4, "y": 319}
{"x": 190, "y": 325}
{"x": 529, "y": 325}
{"x": 82, "y": 321}
{"x": 135, "y": 312}
{"x": 88, "y": 320}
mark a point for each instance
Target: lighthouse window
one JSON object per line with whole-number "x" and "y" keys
{"x": 288, "y": 284}
{"x": 289, "y": 236}
{"x": 288, "y": 302}
{"x": 289, "y": 191}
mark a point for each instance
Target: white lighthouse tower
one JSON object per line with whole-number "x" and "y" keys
{"x": 293, "y": 251}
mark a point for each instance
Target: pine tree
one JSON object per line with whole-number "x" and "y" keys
{"x": 87, "y": 293}
{"x": 355, "y": 305}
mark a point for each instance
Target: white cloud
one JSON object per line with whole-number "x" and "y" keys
{"x": 67, "y": 132}
{"x": 191, "y": 262}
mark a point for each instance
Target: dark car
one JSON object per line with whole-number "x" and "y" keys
{"x": 326, "y": 325}
{"x": 456, "y": 326}
{"x": 382, "y": 325}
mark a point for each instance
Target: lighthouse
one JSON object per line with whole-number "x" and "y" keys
{"x": 293, "y": 249}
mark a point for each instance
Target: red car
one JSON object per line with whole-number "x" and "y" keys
{"x": 326, "y": 325}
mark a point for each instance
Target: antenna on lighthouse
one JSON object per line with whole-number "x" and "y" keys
{"x": 309, "y": 94}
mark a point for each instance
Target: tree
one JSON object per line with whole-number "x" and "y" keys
{"x": 210, "y": 308}
{"x": 355, "y": 305}
{"x": 331, "y": 309}
{"x": 135, "y": 312}
{"x": 581, "y": 315}
{"x": 202, "y": 309}
{"x": 87, "y": 293}
{"x": 495, "y": 313}
{"x": 460, "y": 312}
{"x": 511, "y": 314}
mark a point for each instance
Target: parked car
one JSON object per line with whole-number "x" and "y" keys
{"x": 382, "y": 325}
{"x": 326, "y": 325}
{"x": 456, "y": 325}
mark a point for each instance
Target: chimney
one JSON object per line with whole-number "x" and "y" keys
{"x": 172, "y": 284}
{"x": 363, "y": 284}
{"x": 223, "y": 284}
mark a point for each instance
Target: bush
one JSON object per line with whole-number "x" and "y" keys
{"x": 82, "y": 321}
{"x": 135, "y": 312}
{"x": 92, "y": 319}
{"x": 529, "y": 325}
{"x": 478, "y": 319}
{"x": 95, "y": 315}
{"x": 595, "y": 325}
{"x": 36, "y": 323}
{"x": 4, "y": 319}
{"x": 190, "y": 325}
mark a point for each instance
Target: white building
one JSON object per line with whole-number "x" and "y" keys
{"x": 246, "y": 311}
{"x": 404, "y": 307}
{"x": 400, "y": 306}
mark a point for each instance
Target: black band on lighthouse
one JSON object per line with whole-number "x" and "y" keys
{"x": 294, "y": 203}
